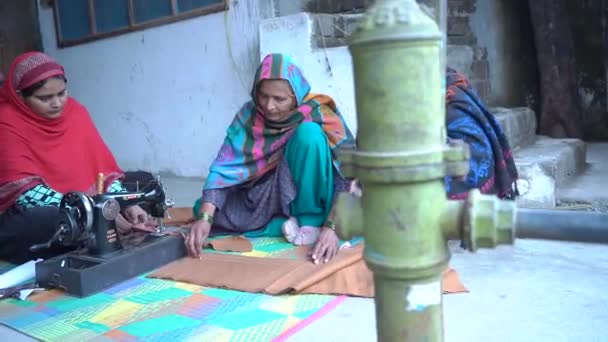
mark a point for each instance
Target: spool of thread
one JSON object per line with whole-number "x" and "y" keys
{"x": 100, "y": 181}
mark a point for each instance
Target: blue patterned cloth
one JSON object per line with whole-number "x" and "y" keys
{"x": 492, "y": 169}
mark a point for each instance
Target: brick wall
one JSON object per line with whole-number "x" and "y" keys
{"x": 345, "y": 6}
{"x": 336, "y": 20}
{"x": 460, "y": 33}
{"x": 337, "y": 6}
{"x": 330, "y": 30}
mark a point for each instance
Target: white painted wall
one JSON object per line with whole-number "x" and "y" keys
{"x": 163, "y": 97}
{"x": 329, "y": 70}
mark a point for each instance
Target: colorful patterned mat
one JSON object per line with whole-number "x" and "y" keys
{"x": 160, "y": 310}
{"x": 266, "y": 248}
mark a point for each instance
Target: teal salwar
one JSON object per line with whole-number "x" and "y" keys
{"x": 310, "y": 164}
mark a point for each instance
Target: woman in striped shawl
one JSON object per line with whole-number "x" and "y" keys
{"x": 276, "y": 172}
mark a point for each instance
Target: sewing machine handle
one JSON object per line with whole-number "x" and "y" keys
{"x": 46, "y": 245}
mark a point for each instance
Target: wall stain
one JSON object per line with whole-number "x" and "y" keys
{"x": 150, "y": 137}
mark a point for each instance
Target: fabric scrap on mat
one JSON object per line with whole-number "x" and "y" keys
{"x": 346, "y": 274}
{"x": 232, "y": 244}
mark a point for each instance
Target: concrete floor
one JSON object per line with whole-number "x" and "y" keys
{"x": 591, "y": 187}
{"x": 532, "y": 291}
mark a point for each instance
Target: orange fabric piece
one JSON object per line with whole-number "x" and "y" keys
{"x": 232, "y": 244}
{"x": 346, "y": 274}
{"x": 179, "y": 216}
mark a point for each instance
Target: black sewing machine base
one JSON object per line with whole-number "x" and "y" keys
{"x": 82, "y": 275}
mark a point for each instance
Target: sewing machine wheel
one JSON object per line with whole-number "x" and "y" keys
{"x": 68, "y": 228}
{"x": 110, "y": 209}
{"x": 75, "y": 218}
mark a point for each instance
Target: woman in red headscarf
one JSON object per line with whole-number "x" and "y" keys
{"x": 48, "y": 146}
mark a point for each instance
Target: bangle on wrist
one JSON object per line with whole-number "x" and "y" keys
{"x": 330, "y": 224}
{"x": 205, "y": 217}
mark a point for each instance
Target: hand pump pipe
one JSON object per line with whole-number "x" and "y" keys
{"x": 401, "y": 161}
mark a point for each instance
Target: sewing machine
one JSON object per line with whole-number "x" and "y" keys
{"x": 101, "y": 259}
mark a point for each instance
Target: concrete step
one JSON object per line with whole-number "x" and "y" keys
{"x": 545, "y": 165}
{"x": 589, "y": 190}
{"x": 519, "y": 125}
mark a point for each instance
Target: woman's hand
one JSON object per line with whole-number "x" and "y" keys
{"x": 197, "y": 237}
{"x": 131, "y": 216}
{"x": 198, "y": 234}
{"x": 326, "y": 247}
{"x": 122, "y": 224}
{"x": 135, "y": 214}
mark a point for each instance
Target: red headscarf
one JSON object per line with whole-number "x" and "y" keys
{"x": 65, "y": 154}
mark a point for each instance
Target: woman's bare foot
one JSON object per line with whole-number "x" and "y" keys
{"x": 290, "y": 229}
{"x": 307, "y": 235}
{"x": 355, "y": 188}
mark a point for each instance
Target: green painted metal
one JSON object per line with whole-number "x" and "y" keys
{"x": 401, "y": 160}
{"x": 490, "y": 221}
